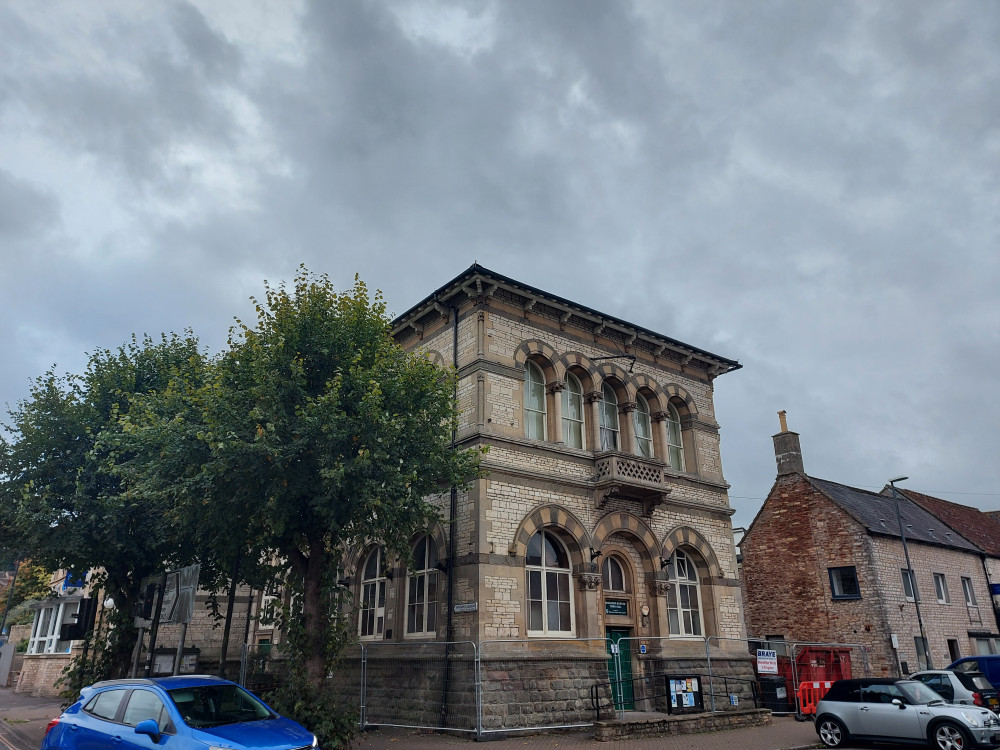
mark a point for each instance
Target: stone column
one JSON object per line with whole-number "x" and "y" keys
{"x": 628, "y": 429}
{"x": 480, "y": 333}
{"x": 659, "y": 588}
{"x": 593, "y": 400}
{"x": 555, "y": 389}
{"x": 588, "y": 582}
{"x": 661, "y": 447}
{"x": 480, "y": 400}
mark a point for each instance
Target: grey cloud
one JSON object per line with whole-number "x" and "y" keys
{"x": 25, "y": 209}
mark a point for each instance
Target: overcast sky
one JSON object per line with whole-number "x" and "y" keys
{"x": 807, "y": 187}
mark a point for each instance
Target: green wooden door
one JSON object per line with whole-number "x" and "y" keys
{"x": 621, "y": 684}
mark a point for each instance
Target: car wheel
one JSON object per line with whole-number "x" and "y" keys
{"x": 831, "y": 731}
{"x": 948, "y": 736}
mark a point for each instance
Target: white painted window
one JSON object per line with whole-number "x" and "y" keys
{"x": 609, "y": 419}
{"x": 941, "y": 589}
{"x": 48, "y": 622}
{"x": 910, "y": 590}
{"x": 675, "y": 444}
{"x": 970, "y": 592}
{"x": 684, "y": 597}
{"x": 643, "y": 427}
{"x": 550, "y": 596}
{"x": 371, "y": 620}
{"x": 613, "y": 576}
{"x": 534, "y": 402}
{"x": 985, "y": 646}
{"x": 422, "y": 588}
{"x": 572, "y": 412}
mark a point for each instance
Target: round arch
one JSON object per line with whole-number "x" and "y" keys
{"x": 542, "y": 354}
{"x": 685, "y": 536}
{"x": 609, "y": 370}
{"x": 621, "y": 521}
{"x": 582, "y": 366}
{"x": 548, "y": 516}
{"x": 435, "y": 357}
{"x": 674, "y": 392}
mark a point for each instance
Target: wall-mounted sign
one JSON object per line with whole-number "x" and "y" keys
{"x": 767, "y": 661}
{"x": 616, "y": 607}
{"x": 995, "y": 589}
{"x": 467, "y": 607}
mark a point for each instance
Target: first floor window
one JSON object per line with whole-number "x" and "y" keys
{"x": 550, "y": 603}
{"x": 970, "y": 593}
{"x": 684, "y": 597}
{"x": 643, "y": 428}
{"x": 572, "y": 412}
{"x": 609, "y": 418}
{"x": 421, "y": 590}
{"x": 372, "y": 616}
{"x": 675, "y": 446}
{"x": 941, "y": 589}
{"x": 844, "y": 583}
{"x": 910, "y": 590}
{"x": 534, "y": 402}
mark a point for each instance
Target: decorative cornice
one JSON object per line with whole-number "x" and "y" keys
{"x": 485, "y": 365}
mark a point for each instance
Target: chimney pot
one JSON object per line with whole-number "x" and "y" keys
{"x": 787, "y": 451}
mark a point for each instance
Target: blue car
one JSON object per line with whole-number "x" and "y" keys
{"x": 173, "y": 713}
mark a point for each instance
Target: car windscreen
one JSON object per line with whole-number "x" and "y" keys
{"x": 215, "y": 705}
{"x": 918, "y": 693}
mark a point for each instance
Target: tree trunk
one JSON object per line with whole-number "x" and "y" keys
{"x": 315, "y": 617}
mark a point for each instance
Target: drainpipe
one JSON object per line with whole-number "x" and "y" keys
{"x": 453, "y": 511}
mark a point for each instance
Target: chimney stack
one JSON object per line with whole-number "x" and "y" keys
{"x": 787, "y": 451}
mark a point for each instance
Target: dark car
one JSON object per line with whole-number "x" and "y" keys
{"x": 888, "y": 710}
{"x": 968, "y": 688}
{"x": 173, "y": 713}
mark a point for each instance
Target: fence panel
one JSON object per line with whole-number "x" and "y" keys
{"x": 421, "y": 685}
{"x": 785, "y": 666}
{"x": 544, "y": 683}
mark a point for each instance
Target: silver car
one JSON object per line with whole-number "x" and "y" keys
{"x": 889, "y": 710}
{"x": 970, "y": 688}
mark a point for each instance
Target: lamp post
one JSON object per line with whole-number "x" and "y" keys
{"x": 909, "y": 572}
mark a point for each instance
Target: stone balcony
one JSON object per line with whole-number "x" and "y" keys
{"x": 628, "y": 477}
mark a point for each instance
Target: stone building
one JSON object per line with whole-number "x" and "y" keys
{"x": 605, "y": 511}
{"x": 824, "y": 562}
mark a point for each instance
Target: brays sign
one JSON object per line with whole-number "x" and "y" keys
{"x": 767, "y": 661}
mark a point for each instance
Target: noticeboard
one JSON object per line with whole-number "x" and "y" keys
{"x": 767, "y": 661}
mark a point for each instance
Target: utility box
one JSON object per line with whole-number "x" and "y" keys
{"x": 163, "y": 661}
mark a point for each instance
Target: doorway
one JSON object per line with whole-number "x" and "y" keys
{"x": 621, "y": 685}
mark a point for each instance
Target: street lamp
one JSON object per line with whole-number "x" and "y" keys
{"x": 910, "y": 573}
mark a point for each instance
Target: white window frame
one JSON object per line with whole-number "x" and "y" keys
{"x": 607, "y": 575}
{"x": 643, "y": 427}
{"x": 545, "y": 571}
{"x": 422, "y": 585}
{"x": 47, "y": 625}
{"x": 610, "y": 429}
{"x": 941, "y": 589}
{"x": 534, "y": 378}
{"x": 684, "y": 584}
{"x": 372, "y": 603}
{"x": 675, "y": 439}
{"x": 984, "y": 646}
{"x": 970, "y": 592}
{"x": 907, "y": 575}
{"x": 572, "y": 396}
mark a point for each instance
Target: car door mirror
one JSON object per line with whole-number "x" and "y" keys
{"x": 150, "y": 727}
{"x": 898, "y": 702}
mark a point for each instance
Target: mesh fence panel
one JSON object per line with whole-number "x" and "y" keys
{"x": 543, "y": 684}
{"x": 421, "y": 685}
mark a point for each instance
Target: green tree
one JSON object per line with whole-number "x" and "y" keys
{"x": 328, "y": 433}
{"x": 59, "y": 495}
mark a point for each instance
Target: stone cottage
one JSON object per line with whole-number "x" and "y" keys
{"x": 825, "y": 562}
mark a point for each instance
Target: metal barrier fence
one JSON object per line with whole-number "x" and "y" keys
{"x": 540, "y": 684}
{"x": 785, "y": 665}
{"x": 422, "y": 685}
{"x": 504, "y": 686}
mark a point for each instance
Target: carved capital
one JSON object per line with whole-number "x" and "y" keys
{"x": 659, "y": 588}
{"x": 660, "y": 416}
{"x": 588, "y": 581}
{"x": 556, "y": 386}
{"x": 627, "y": 407}
{"x": 592, "y": 396}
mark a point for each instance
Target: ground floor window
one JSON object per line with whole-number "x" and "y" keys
{"x": 684, "y": 598}
{"x": 550, "y": 603}
{"x": 49, "y": 619}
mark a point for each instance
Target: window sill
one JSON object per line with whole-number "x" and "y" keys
{"x": 845, "y": 598}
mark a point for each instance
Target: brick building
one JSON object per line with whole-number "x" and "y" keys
{"x": 605, "y": 511}
{"x": 824, "y": 562}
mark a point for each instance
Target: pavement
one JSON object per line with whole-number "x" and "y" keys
{"x": 23, "y": 719}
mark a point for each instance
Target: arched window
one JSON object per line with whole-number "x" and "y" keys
{"x": 643, "y": 428}
{"x": 684, "y": 597}
{"x": 609, "y": 419}
{"x": 534, "y": 402}
{"x": 371, "y": 621}
{"x": 613, "y": 576}
{"x": 572, "y": 412}
{"x": 675, "y": 448}
{"x": 421, "y": 590}
{"x": 550, "y": 604}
